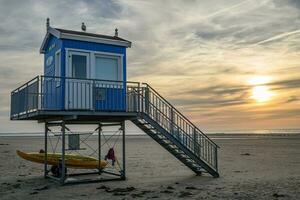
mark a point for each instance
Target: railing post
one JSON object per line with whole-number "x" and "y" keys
{"x": 18, "y": 103}
{"x": 42, "y": 91}
{"x": 216, "y": 158}
{"x": 37, "y": 93}
{"x": 195, "y": 142}
{"x": 147, "y": 94}
{"x": 93, "y": 96}
{"x": 141, "y": 92}
{"x": 11, "y": 105}
{"x": 172, "y": 120}
{"x": 140, "y": 98}
{"x": 26, "y": 98}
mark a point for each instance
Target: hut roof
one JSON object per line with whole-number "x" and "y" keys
{"x": 83, "y": 36}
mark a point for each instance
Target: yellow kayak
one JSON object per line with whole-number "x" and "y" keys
{"x": 71, "y": 160}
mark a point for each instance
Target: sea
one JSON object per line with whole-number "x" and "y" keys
{"x": 229, "y": 134}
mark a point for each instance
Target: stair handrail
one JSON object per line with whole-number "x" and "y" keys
{"x": 169, "y": 104}
{"x": 181, "y": 130}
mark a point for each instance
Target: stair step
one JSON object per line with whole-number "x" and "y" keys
{"x": 179, "y": 150}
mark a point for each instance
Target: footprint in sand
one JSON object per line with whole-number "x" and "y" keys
{"x": 185, "y": 194}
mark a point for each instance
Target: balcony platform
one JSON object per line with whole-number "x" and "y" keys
{"x": 47, "y": 98}
{"x": 75, "y": 116}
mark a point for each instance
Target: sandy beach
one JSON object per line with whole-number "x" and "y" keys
{"x": 251, "y": 167}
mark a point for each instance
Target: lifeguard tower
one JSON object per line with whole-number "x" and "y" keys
{"x": 84, "y": 82}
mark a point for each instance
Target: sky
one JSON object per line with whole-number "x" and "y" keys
{"x": 226, "y": 64}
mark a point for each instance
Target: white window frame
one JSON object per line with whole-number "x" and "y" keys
{"x": 120, "y": 68}
{"x": 92, "y": 61}
{"x": 57, "y": 66}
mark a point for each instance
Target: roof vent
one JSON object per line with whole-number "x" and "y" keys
{"x": 83, "y": 27}
{"x": 116, "y": 32}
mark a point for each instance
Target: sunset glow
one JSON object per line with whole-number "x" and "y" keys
{"x": 259, "y": 80}
{"x": 225, "y": 64}
{"x": 261, "y": 94}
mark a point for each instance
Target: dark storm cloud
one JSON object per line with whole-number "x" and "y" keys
{"x": 225, "y": 90}
{"x": 292, "y": 3}
{"x": 218, "y": 90}
{"x": 212, "y": 102}
{"x": 209, "y": 33}
{"x": 105, "y": 8}
{"x": 217, "y": 96}
{"x": 295, "y": 3}
{"x": 7, "y": 73}
{"x": 223, "y": 95}
{"x": 292, "y": 99}
{"x": 285, "y": 84}
{"x": 288, "y": 113}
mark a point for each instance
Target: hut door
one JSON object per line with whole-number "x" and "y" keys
{"x": 108, "y": 95}
{"x": 78, "y": 87}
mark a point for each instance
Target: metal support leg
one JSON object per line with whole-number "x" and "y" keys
{"x": 63, "y": 174}
{"x": 46, "y": 151}
{"x": 99, "y": 148}
{"x": 123, "y": 151}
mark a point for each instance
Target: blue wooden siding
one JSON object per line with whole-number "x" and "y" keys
{"x": 54, "y": 94}
{"x": 113, "y": 99}
{"x": 53, "y": 45}
{"x": 52, "y": 91}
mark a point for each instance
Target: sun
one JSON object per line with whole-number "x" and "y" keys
{"x": 259, "y": 80}
{"x": 261, "y": 93}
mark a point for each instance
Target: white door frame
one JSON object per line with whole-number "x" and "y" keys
{"x": 69, "y": 54}
{"x": 76, "y": 86}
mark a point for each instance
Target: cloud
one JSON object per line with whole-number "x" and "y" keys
{"x": 209, "y": 102}
{"x": 292, "y": 99}
{"x": 291, "y": 3}
{"x": 278, "y": 37}
{"x": 286, "y": 84}
{"x": 198, "y": 54}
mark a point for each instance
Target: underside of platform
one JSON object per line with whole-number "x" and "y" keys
{"x": 80, "y": 116}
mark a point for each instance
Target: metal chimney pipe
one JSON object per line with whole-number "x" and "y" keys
{"x": 47, "y": 23}
{"x": 116, "y": 32}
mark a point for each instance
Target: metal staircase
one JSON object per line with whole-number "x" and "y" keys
{"x": 173, "y": 131}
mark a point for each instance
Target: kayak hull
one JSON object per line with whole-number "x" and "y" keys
{"x": 71, "y": 160}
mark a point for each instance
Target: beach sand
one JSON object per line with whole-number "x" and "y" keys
{"x": 255, "y": 167}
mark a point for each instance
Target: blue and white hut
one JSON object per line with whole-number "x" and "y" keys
{"x": 83, "y": 57}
